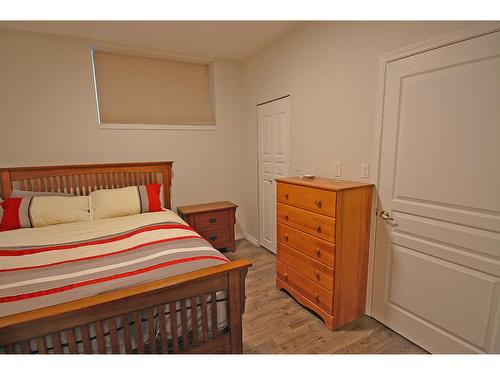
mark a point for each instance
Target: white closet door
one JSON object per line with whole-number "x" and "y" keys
{"x": 273, "y": 129}
{"x": 437, "y": 257}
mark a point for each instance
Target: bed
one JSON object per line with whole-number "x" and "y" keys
{"x": 173, "y": 293}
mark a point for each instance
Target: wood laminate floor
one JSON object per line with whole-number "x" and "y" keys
{"x": 275, "y": 323}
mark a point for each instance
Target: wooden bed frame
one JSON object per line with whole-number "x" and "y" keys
{"x": 55, "y": 329}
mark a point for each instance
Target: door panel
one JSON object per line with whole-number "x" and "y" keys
{"x": 273, "y": 133}
{"x": 437, "y": 263}
{"x": 455, "y": 299}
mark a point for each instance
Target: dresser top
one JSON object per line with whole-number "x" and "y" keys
{"x": 324, "y": 183}
{"x": 205, "y": 207}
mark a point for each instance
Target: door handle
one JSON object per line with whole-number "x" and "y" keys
{"x": 384, "y": 215}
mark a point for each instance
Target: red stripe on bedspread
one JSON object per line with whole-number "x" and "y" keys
{"x": 95, "y": 242}
{"x": 107, "y": 278}
{"x": 100, "y": 255}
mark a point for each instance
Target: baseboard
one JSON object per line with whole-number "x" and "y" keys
{"x": 241, "y": 236}
{"x": 252, "y": 240}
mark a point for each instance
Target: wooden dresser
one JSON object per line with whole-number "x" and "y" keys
{"x": 323, "y": 234}
{"x": 214, "y": 221}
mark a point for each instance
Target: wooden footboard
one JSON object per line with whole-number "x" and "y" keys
{"x": 115, "y": 322}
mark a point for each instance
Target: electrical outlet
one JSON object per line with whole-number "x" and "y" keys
{"x": 365, "y": 170}
{"x": 337, "y": 168}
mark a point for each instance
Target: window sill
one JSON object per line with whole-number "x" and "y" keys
{"x": 157, "y": 127}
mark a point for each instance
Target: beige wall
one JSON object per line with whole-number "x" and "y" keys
{"x": 48, "y": 113}
{"x": 330, "y": 69}
{"x": 48, "y": 116}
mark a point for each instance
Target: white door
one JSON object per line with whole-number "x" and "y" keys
{"x": 437, "y": 257}
{"x": 273, "y": 130}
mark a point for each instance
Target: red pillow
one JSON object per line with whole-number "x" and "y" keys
{"x": 150, "y": 197}
{"x": 16, "y": 214}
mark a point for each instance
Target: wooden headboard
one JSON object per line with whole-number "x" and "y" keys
{"x": 84, "y": 178}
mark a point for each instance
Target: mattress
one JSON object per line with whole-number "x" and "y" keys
{"x": 41, "y": 267}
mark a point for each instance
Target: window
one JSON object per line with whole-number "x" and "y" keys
{"x": 135, "y": 92}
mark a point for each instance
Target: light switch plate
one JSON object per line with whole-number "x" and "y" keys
{"x": 365, "y": 170}
{"x": 337, "y": 168}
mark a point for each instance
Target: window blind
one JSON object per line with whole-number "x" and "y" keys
{"x": 144, "y": 90}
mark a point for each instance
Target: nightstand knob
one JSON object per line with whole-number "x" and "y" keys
{"x": 318, "y": 228}
{"x": 318, "y": 203}
{"x": 286, "y": 276}
{"x": 318, "y": 253}
{"x": 286, "y": 237}
{"x": 316, "y": 274}
{"x": 286, "y": 216}
{"x": 286, "y": 195}
{"x": 316, "y": 297}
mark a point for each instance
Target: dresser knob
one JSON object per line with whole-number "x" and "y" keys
{"x": 286, "y": 276}
{"x": 316, "y": 297}
{"x": 318, "y": 228}
{"x": 318, "y": 203}
{"x": 286, "y": 237}
{"x": 286, "y": 216}
{"x": 318, "y": 253}
{"x": 286, "y": 195}
{"x": 316, "y": 274}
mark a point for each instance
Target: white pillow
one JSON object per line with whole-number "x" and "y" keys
{"x": 108, "y": 203}
{"x": 58, "y": 210}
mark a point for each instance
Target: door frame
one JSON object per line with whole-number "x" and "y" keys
{"x": 259, "y": 156}
{"x": 480, "y": 29}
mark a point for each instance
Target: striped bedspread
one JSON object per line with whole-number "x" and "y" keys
{"x": 41, "y": 267}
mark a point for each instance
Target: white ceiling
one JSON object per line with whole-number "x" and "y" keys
{"x": 216, "y": 39}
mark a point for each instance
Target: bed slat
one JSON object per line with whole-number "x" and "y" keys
{"x": 151, "y": 330}
{"x": 99, "y": 335}
{"x": 70, "y": 337}
{"x": 56, "y": 343}
{"x": 184, "y": 323}
{"x": 173, "y": 326}
{"x": 204, "y": 317}
{"x": 194, "y": 320}
{"x": 213, "y": 306}
{"x": 138, "y": 332}
{"x": 115, "y": 347}
{"x": 40, "y": 344}
{"x": 87, "y": 349}
{"x": 126, "y": 334}
{"x": 163, "y": 329}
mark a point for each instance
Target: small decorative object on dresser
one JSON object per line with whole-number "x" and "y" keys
{"x": 214, "y": 221}
{"x": 323, "y": 234}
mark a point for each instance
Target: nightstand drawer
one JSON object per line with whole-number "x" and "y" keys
{"x": 211, "y": 220}
{"x": 218, "y": 237}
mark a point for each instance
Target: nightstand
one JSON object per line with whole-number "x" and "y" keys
{"x": 213, "y": 221}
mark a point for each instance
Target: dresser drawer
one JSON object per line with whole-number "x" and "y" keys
{"x": 311, "y": 246}
{"x": 317, "y": 200}
{"x": 308, "y": 267}
{"x": 318, "y": 225}
{"x": 315, "y": 293}
{"x": 211, "y": 220}
{"x": 218, "y": 237}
